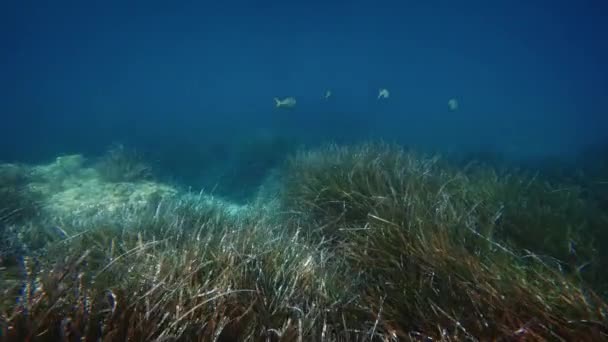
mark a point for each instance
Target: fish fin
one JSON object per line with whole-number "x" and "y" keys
{"x": 277, "y": 102}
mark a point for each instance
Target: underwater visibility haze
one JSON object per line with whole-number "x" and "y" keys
{"x": 304, "y": 171}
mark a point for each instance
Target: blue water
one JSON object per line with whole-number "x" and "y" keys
{"x": 191, "y": 82}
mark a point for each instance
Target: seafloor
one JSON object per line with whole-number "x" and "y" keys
{"x": 365, "y": 242}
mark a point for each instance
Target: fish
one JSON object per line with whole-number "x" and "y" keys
{"x": 383, "y": 93}
{"x": 62, "y": 233}
{"x": 327, "y": 94}
{"x": 452, "y": 105}
{"x": 288, "y": 102}
{"x": 573, "y": 259}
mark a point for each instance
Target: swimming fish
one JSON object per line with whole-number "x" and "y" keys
{"x": 62, "y": 233}
{"x": 452, "y": 105}
{"x": 383, "y": 93}
{"x": 327, "y": 95}
{"x": 288, "y": 102}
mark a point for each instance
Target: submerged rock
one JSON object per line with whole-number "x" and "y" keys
{"x": 90, "y": 197}
{"x": 13, "y": 174}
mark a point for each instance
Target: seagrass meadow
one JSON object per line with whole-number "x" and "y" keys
{"x": 368, "y": 242}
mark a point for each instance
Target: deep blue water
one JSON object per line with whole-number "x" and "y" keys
{"x": 190, "y": 82}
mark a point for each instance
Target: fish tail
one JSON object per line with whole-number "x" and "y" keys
{"x": 277, "y": 102}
